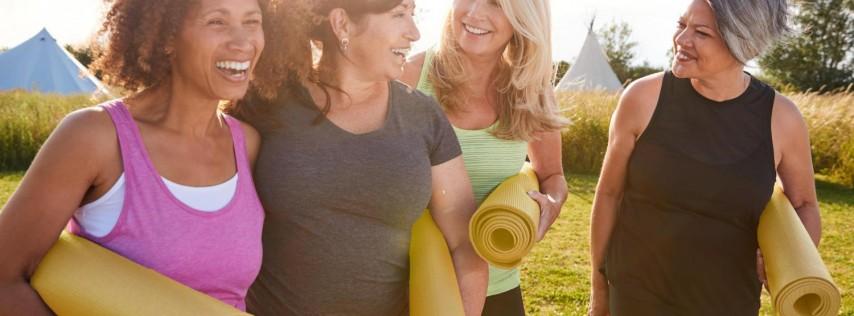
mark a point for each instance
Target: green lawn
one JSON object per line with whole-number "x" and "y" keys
{"x": 555, "y": 275}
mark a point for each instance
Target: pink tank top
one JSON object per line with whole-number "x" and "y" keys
{"x": 217, "y": 253}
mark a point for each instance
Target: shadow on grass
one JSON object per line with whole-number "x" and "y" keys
{"x": 834, "y": 193}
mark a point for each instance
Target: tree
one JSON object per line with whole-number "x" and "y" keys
{"x": 560, "y": 70}
{"x": 818, "y": 56}
{"x": 85, "y": 55}
{"x": 616, "y": 41}
{"x": 3, "y": 49}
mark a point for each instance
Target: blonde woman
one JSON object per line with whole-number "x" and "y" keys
{"x": 492, "y": 74}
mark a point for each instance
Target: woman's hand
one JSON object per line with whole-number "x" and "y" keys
{"x": 760, "y": 268}
{"x": 549, "y": 211}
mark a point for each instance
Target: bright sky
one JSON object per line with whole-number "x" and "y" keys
{"x": 652, "y": 22}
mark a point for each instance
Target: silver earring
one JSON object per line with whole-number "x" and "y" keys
{"x": 345, "y": 44}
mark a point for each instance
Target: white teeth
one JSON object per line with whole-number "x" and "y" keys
{"x": 401, "y": 51}
{"x": 474, "y": 30}
{"x": 233, "y": 65}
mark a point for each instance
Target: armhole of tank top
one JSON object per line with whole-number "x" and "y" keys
{"x": 773, "y": 97}
{"x": 666, "y": 82}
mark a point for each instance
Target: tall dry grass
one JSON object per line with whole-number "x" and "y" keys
{"x": 829, "y": 117}
{"x": 27, "y": 119}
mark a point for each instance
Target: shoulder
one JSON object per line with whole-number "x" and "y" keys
{"x": 85, "y": 137}
{"x": 785, "y": 111}
{"x": 252, "y": 139}
{"x": 413, "y": 99}
{"x": 786, "y": 119}
{"x": 412, "y": 69}
{"x": 637, "y": 104}
{"x": 87, "y": 126}
{"x": 644, "y": 89}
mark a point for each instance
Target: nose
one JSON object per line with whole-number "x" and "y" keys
{"x": 474, "y": 9}
{"x": 681, "y": 37}
{"x": 412, "y": 33}
{"x": 240, "y": 40}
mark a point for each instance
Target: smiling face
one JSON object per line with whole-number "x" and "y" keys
{"x": 218, "y": 47}
{"x": 480, "y": 27}
{"x": 699, "y": 49}
{"x": 381, "y": 42}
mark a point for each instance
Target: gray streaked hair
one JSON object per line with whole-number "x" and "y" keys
{"x": 749, "y": 27}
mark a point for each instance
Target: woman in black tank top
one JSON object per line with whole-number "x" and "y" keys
{"x": 692, "y": 160}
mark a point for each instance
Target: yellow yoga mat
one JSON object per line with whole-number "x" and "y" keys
{"x": 504, "y": 228}
{"x": 798, "y": 280}
{"x": 433, "y": 288}
{"x": 78, "y": 277}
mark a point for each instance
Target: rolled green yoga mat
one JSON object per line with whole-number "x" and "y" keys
{"x": 504, "y": 228}
{"x": 78, "y": 277}
{"x": 433, "y": 288}
{"x": 798, "y": 280}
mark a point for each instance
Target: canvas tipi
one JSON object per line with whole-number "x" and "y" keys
{"x": 591, "y": 70}
{"x": 41, "y": 64}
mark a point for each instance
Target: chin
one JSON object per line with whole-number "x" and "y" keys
{"x": 681, "y": 72}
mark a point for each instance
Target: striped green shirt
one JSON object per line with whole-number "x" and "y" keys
{"x": 489, "y": 160}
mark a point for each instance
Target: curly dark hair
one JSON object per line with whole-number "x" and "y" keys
{"x": 139, "y": 31}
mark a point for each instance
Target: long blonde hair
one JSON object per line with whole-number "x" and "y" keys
{"x": 525, "y": 73}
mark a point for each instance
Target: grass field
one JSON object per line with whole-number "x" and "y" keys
{"x": 555, "y": 276}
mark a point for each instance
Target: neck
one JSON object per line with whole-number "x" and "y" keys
{"x": 178, "y": 108}
{"x": 356, "y": 86}
{"x": 722, "y": 86}
{"x": 478, "y": 80}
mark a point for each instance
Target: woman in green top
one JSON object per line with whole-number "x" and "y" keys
{"x": 492, "y": 74}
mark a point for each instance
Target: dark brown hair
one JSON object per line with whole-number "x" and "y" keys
{"x": 322, "y": 34}
{"x": 140, "y": 31}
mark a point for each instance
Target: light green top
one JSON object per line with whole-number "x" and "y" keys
{"x": 489, "y": 160}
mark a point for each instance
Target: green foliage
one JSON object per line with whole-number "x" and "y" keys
{"x": 618, "y": 46}
{"x": 560, "y": 70}
{"x": 85, "y": 55}
{"x": 819, "y": 56}
{"x": 26, "y": 120}
{"x": 616, "y": 41}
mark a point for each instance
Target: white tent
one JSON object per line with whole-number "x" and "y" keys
{"x": 591, "y": 70}
{"x": 40, "y": 64}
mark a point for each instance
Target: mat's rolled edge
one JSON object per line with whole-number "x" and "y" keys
{"x": 528, "y": 178}
{"x": 61, "y": 281}
{"x": 813, "y": 293}
{"x": 433, "y": 287}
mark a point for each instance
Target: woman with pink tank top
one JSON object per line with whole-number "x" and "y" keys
{"x": 161, "y": 177}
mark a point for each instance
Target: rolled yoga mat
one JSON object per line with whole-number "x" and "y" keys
{"x": 78, "y": 277}
{"x": 433, "y": 288}
{"x": 504, "y": 228}
{"x": 798, "y": 280}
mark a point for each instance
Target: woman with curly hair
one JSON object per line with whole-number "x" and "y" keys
{"x": 348, "y": 162}
{"x": 161, "y": 176}
{"x": 492, "y": 74}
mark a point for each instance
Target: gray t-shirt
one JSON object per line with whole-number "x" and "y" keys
{"x": 340, "y": 206}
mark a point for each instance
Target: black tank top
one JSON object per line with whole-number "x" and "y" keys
{"x": 684, "y": 242}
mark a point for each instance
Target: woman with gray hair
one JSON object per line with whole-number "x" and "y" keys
{"x": 692, "y": 159}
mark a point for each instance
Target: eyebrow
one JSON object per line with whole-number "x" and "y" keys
{"x": 226, "y": 12}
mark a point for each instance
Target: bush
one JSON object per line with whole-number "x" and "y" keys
{"x": 586, "y": 139}
{"x": 26, "y": 120}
